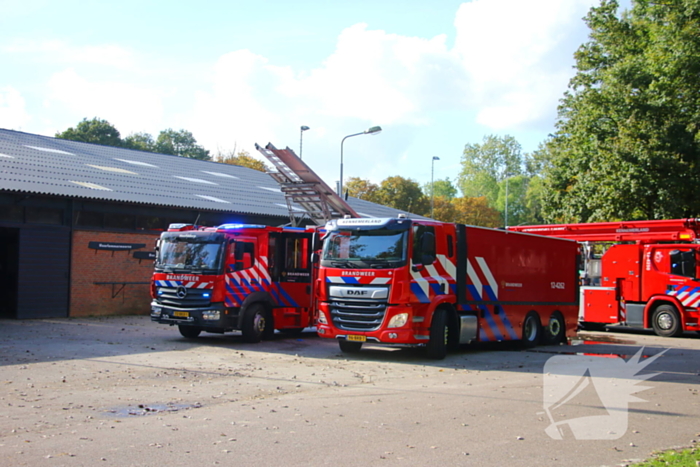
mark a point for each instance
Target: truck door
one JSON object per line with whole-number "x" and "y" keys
{"x": 291, "y": 268}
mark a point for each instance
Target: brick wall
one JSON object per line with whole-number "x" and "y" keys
{"x": 89, "y": 266}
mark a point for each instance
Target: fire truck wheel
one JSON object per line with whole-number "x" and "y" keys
{"x": 555, "y": 331}
{"x": 349, "y": 346}
{"x": 532, "y": 330}
{"x": 437, "y": 345}
{"x": 257, "y": 324}
{"x": 189, "y": 332}
{"x": 666, "y": 321}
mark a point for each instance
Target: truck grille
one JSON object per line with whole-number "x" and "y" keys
{"x": 193, "y": 298}
{"x": 354, "y": 314}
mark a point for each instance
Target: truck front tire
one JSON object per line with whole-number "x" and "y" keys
{"x": 437, "y": 345}
{"x": 666, "y": 321}
{"x": 349, "y": 346}
{"x": 257, "y": 324}
{"x": 190, "y": 332}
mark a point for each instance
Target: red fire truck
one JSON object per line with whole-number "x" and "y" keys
{"x": 639, "y": 274}
{"x": 252, "y": 278}
{"x": 422, "y": 282}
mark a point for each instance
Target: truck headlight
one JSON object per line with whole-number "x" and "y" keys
{"x": 398, "y": 320}
{"x": 211, "y": 315}
{"x": 322, "y": 317}
{"x": 155, "y": 311}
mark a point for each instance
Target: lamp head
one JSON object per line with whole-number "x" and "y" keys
{"x": 304, "y": 128}
{"x": 373, "y": 130}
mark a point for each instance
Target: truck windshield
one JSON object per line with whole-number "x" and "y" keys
{"x": 189, "y": 254}
{"x": 365, "y": 248}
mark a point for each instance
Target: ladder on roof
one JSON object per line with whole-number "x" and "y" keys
{"x": 306, "y": 194}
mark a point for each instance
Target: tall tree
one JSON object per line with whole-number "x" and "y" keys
{"x": 485, "y": 165}
{"x": 362, "y": 189}
{"x": 476, "y": 211}
{"x": 443, "y": 188}
{"x": 180, "y": 143}
{"x": 96, "y": 131}
{"x": 403, "y": 194}
{"x": 627, "y": 144}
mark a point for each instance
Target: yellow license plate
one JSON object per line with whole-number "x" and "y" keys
{"x": 181, "y": 314}
{"x": 357, "y": 338}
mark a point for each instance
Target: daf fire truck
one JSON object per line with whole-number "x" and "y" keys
{"x": 252, "y": 278}
{"x": 422, "y": 282}
{"x": 639, "y": 274}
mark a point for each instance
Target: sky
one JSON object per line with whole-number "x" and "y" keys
{"x": 435, "y": 76}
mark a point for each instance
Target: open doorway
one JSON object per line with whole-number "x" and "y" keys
{"x": 9, "y": 271}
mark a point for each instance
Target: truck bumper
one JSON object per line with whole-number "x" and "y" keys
{"x": 383, "y": 336}
{"x": 214, "y": 317}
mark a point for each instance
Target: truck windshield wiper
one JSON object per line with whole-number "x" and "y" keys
{"x": 343, "y": 264}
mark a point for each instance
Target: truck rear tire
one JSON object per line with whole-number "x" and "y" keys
{"x": 257, "y": 324}
{"x": 349, "y": 346}
{"x": 555, "y": 331}
{"x": 189, "y": 332}
{"x": 532, "y": 330}
{"x": 666, "y": 321}
{"x": 437, "y": 345}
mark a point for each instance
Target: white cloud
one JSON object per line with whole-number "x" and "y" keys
{"x": 13, "y": 114}
{"x": 519, "y": 56}
{"x": 128, "y": 107}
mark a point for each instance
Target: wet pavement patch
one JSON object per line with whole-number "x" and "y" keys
{"x": 149, "y": 409}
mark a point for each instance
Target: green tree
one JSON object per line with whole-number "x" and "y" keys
{"x": 362, "y": 189}
{"x": 403, "y": 194}
{"x": 180, "y": 143}
{"x": 140, "y": 142}
{"x": 485, "y": 165}
{"x": 443, "y": 188}
{"x": 627, "y": 144}
{"x": 94, "y": 131}
{"x": 242, "y": 158}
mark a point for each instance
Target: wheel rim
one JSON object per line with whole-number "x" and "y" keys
{"x": 664, "y": 321}
{"x": 259, "y": 323}
{"x": 554, "y": 327}
{"x": 530, "y": 331}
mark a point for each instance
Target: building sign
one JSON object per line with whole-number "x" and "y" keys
{"x": 111, "y": 246}
{"x": 145, "y": 254}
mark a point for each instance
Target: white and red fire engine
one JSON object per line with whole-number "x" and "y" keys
{"x": 422, "y": 282}
{"x": 252, "y": 278}
{"x": 639, "y": 274}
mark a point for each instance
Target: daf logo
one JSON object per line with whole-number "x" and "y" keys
{"x": 181, "y": 292}
{"x": 356, "y": 292}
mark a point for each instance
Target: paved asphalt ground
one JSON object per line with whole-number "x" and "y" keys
{"x": 127, "y": 392}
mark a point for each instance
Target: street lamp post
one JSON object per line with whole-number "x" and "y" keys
{"x": 370, "y": 131}
{"x": 432, "y": 184}
{"x": 301, "y": 137}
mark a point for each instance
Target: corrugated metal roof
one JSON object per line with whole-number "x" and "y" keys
{"x": 40, "y": 164}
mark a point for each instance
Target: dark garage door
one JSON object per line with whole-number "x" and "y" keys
{"x": 43, "y": 279}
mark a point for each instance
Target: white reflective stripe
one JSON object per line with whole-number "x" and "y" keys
{"x": 381, "y": 280}
{"x": 474, "y": 278}
{"x": 448, "y": 265}
{"x": 336, "y": 280}
{"x": 420, "y": 281}
{"x": 436, "y": 276}
{"x": 487, "y": 272}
